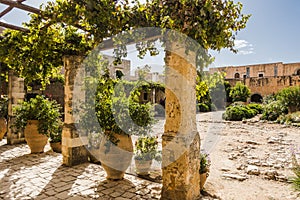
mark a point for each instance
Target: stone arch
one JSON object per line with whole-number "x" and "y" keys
{"x": 119, "y": 74}
{"x": 237, "y": 75}
{"x": 297, "y": 72}
{"x": 257, "y": 98}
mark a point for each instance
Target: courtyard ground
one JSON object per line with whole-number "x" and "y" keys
{"x": 250, "y": 160}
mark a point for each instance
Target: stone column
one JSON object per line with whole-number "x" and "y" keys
{"x": 16, "y": 93}
{"x": 73, "y": 146}
{"x": 180, "y": 141}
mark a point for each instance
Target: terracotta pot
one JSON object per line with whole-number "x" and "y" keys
{"x": 35, "y": 141}
{"x": 115, "y": 159}
{"x": 56, "y": 146}
{"x": 203, "y": 178}
{"x": 143, "y": 166}
{"x": 3, "y": 127}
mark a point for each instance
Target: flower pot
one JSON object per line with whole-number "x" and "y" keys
{"x": 115, "y": 159}
{"x": 3, "y": 128}
{"x": 56, "y": 146}
{"x": 35, "y": 141}
{"x": 143, "y": 166}
{"x": 203, "y": 178}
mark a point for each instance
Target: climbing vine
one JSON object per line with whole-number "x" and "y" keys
{"x": 76, "y": 26}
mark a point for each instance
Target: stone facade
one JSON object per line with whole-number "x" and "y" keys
{"x": 263, "y": 79}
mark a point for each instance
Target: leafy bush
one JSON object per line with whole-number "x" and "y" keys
{"x": 256, "y": 106}
{"x": 202, "y": 107}
{"x": 273, "y": 110}
{"x": 289, "y": 118}
{"x": 45, "y": 111}
{"x": 238, "y": 113}
{"x": 269, "y": 98}
{"x": 119, "y": 114}
{"x": 290, "y": 98}
{"x": 239, "y": 92}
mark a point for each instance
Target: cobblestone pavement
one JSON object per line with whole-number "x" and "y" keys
{"x": 42, "y": 176}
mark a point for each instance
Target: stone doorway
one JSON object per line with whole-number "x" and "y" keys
{"x": 257, "y": 98}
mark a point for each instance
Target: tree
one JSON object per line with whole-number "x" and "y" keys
{"x": 239, "y": 92}
{"x": 75, "y": 27}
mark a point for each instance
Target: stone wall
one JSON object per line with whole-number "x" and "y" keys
{"x": 268, "y": 85}
{"x": 265, "y": 70}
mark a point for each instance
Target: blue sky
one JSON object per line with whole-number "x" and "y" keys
{"x": 272, "y": 34}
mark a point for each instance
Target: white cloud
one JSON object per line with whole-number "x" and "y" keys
{"x": 243, "y": 47}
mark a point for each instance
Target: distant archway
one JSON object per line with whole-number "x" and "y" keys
{"x": 257, "y": 98}
{"x": 298, "y": 72}
{"x": 236, "y": 75}
{"x": 119, "y": 74}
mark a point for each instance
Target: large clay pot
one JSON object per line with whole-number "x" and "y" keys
{"x": 115, "y": 159}
{"x": 35, "y": 141}
{"x": 56, "y": 146}
{"x": 143, "y": 166}
{"x": 3, "y": 128}
{"x": 203, "y": 178}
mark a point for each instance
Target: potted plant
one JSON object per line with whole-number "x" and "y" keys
{"x": 3, "y": 116}
{"x": 145, "y": 152}
{"x": 119, "y": 115}
{"x": 55, "y": 138}
{"x": 38, "y": 118}
{"x": 204, "y": 168}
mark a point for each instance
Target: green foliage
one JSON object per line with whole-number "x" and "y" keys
{"x": 202, "y": 107}
{"x": 67, "y": 27}
{"x": 255, "y": 106}
{"x": 296, "y": 170}
{"x": 239, "y": 92}
{"x": 56, "y": 136}
{"x": 211, "y": 91}
{"x": 239, "y": 112}
{"x": 3, "y": 107}
{"x": 292, "y": 118}
{"x": 290, "y": 97}
{"x": 45, "y": 111}
{"x": 146, "y": 148}
{"x": 114, "y": 110}
{"x": 269, "y": 98}
{"x": 273, "y": 110}
{"x": 204, "y": 163}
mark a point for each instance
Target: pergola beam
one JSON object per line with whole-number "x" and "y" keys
{"x": 18, "y": 4}
{"x": 10, "y": 26}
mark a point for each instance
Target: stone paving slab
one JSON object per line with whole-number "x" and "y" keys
{"x": 42, "y": 176}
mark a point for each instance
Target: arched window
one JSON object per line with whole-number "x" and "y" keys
{"x": 298, "y": 72}
{"x": 236, "y": 75}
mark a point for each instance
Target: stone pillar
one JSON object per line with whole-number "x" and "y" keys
{"x": 16, "y": 93}
{"x": 180, "y": 141}
{"x": 73, "y": 146}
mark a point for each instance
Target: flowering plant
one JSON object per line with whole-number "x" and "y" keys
{"x": 204, "y": 162}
